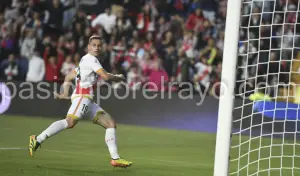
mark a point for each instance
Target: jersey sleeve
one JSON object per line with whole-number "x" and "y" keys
{"x": 95, "y": 64}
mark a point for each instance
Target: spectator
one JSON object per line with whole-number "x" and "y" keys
{"x": 194, "y": 5}
{"x": 162, "y": 27}
{"x": 10, "y": 68}
{"x": 176, "y": 26}
{"x": 77, "y": 33}
{"x": 209, "y": 54}
{"x": 170, "y": 62}
{"x": 53, "y": 65}
{"x": 209, "y": 8}
{"x": 36, "y": 68}
{"x": 81, "y": 18}
{"x": 134, "y": 38}
{"x": 145, "y": 21}
{"x": 215, "y": 79}
{"x": 67, "y": 66}
{"x": 35, "y": 24}
{"x": 145, "y": 63}
{"x": 11, "y": 13}
{"x": 30, "y": 8}
{"x": 28, "y": 44}
{"x": 8, "y": 44}
{"x": 158, "y": 78}
{"x": 205, "y": 32}
{"x": 202, "y": 76}
{"x": 76, "y": 58}
{"x": 167, "y": 40}
{"x": 105, "y": 58}
{"x": 107, "y": 21}
{"x": 54, "y": 17}
{"x": 194, "y": 19}
{"x": 149, "y": 42}
{"x": 183, "y": 67}
{"x": 123, "y": 24}
{"x": 220, "y": 41}
{"x": 134, "y": 78}
{"x": 147, "y": 39}
{"x": 189, "y": 43}
{"x": 52, "y": 69}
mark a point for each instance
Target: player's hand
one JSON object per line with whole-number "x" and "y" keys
{"x": 60, "y": 96}
{"x": 121, "y": 77}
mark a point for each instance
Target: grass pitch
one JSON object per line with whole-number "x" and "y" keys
{"x": 82, "y": 151}
{"x": 155, "y": 152}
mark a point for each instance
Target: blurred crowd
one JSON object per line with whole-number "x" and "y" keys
{"x": 162, "y": 42}
{"x": 148, "y": 41}
{"x": 269, "y": 42}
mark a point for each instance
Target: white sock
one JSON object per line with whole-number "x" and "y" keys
{"x": 53, "y": 129}
{"x": 111, "y": 142}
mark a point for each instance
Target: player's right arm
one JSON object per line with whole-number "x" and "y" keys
{"x": 66, "y": 85}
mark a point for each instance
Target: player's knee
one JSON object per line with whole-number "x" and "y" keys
{"x": 104, "y": 119}
{"x": 109, "y": 121}
{"x": 71, "y": 122}
{"x": 111, "y": 124}
{"x": 72, "y": 125}
{"x": 96, "y": 119}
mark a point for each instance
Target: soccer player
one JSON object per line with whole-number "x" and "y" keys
{"x": 86, "y": 75}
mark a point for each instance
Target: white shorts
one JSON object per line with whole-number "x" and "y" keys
{"x": 83, "y": 107}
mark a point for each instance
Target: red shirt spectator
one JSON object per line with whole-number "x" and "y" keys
{"x": 158, "y": 78}
{"x": 144, "y": 20}
{"x": 194, "y": 19}
{"x": 52, "y": 66}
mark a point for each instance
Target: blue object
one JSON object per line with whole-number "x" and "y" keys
{"x": 278, "y": 110}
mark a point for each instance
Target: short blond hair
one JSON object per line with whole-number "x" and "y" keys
{"x": 95, "y": 37}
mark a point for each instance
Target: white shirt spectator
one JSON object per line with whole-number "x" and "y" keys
{"x": 11, "y": 71}
{"x": 202, "y": 74}
{"x": 108, "y": 22}
{"x": 67, "y": 67}
{"x": 11, "y": 14}
{"x": 134, "y": 80}
{"x": 246, "y": 57}
{"x": 27, "y": 47}
{"x": 36, "y": 69}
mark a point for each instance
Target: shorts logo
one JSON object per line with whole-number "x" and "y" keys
{"x": 5, "y": 98}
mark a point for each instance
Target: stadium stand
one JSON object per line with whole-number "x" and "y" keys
{"x": 180, "y": 40}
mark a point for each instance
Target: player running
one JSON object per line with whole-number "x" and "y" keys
{"x": 86, "y": 76}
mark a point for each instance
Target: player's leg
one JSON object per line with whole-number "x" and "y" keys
{"x": 76, "y": 111}
{"x": 36, "y": 140}
{"x": 102, "y": 118}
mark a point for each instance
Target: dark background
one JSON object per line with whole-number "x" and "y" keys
{"x": 168, "y": 112}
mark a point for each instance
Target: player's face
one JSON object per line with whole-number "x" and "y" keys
{"x": 95, "y": 47}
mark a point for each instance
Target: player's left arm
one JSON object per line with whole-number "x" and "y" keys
{"x": 66, "y": 85}
{"x": 97, "y": 67}
{"x": 108, "y": 76}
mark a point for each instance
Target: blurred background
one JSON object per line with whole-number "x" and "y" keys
{"x": 179, "y": 40}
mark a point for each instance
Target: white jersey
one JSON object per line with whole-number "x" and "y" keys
{"x": 87, "y": 77}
